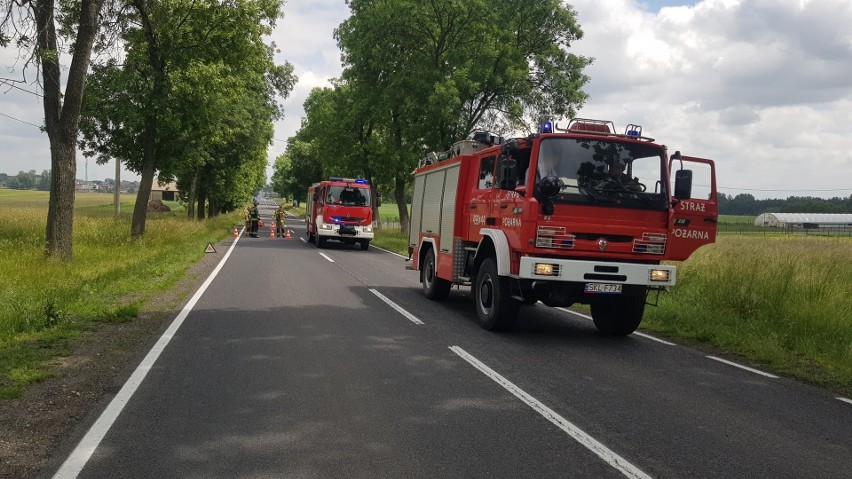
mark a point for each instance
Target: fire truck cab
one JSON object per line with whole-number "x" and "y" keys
{"x": 581, "y": 215}
{"x": 340, "y": 209}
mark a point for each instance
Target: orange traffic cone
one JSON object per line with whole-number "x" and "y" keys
{"x": 271, "y": 232}
{"x": 236, "y": 233}
{"x": 287, "y": 236}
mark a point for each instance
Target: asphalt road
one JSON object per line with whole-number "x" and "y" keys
{"x": 330, "y": 363}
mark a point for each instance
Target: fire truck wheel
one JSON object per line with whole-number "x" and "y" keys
{"x": 433, "y": 286}
{"x": 365, "y": 245}
{"x": 320, "y": 242}
{"x": 494, "y": 304}
{"x": 620, "y": 317}
{"x": 311, "y": 237}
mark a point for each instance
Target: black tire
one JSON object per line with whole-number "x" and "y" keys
{"x": 320, "y": 242}
{"x": 494, "y": 304}
{"x": 529, "y": 301}
{"x": 365, "y": 245}
{"x": 311, "y": 237}
{"x": 619, "y": 317}
{"x": 433, "y": 287}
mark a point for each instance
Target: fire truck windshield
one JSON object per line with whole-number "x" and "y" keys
{"x": 595, "y": 167}
{"x": 348, "y": 196}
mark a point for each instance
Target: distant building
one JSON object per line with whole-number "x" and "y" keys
{"x": 164, "y": 191}
{"x": 805, "y": 220}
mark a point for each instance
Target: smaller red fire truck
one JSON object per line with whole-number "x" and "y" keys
{"x": 340, "y": 209}
{"x": 580, "y": 215}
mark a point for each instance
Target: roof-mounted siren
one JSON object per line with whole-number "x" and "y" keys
{"x": 546, "y": 127}
{"x": 633, "y": 131}
{"x": 591, "y": 126}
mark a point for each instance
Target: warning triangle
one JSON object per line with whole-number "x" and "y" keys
{"x": 210, "y": 248}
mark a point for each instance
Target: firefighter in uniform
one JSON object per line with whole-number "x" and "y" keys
{"x": 254, "y": 216}
{"x": 279, "y": 216}
{"x": 247, "y": 219}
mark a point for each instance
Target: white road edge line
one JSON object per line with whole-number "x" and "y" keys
{"x": 388, "y": 251}
{"x": 576, "y": 433}
{"x": 86, "y": 447}
{"x": 646, "y": 336}
{"x": 326, "y": 257}
{"x": 844, "y": 399}
{"x": 746, "y": 368}
{"x": 397, "y": 307}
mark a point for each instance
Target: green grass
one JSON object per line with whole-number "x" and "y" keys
{"x": 45, "y": 304}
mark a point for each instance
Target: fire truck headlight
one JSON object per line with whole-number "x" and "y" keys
{"x": 659, "y": 275}
{"x": 324, "y": 226}
{"x": 368, "y": 229}
{"x": 545, "y": 269}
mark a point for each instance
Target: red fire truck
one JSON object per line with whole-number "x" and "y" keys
{"x": 578, "y": 215}
{"x": 340, "y": 209}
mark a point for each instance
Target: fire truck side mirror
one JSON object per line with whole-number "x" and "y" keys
{"x": 683, "y": 184}
{"x": 508, "y": 173}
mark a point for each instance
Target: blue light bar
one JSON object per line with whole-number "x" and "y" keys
{"x": 633, "y": 133}
{"x": 363, "y": 182}
{"x": 547, "y": 127}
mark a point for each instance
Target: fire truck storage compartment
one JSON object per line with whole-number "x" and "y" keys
{"x": 434, "y": 204}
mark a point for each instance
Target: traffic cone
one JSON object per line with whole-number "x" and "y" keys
{"x": 287, "y": 236}
{"x": 236, "y": 233}
{"x": 271, "y": 232}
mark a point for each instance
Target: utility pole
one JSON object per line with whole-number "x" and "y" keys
{"x": 117, "y": 187}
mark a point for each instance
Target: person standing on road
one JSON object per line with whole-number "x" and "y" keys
{"x": 254, "y": 216}
{"x": 279, "y": 217}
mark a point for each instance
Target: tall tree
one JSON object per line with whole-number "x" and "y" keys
{"x": 33, "y": 26}
{"x": 437, "y": 70}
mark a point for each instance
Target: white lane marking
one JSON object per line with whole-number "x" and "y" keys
{"x": 646, "y": 336}
{"x": 86, "y": 447}
{"x": 731, "y": 363}
{"x": 303, "y": 240}
{"x": 397, "y": 307}
{"x": 576, "y": 433}
{"x": 845, "y": 399}
{"x": 389, "y": 251}
{"x": 326, "y": 257}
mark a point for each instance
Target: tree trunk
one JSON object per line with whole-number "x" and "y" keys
{"x": 190, "y": 200}
{"x": 62, "y": 120}
{"x": 402, "y": 206}
{"x": 140, "y": 209}
{"x": 202, "y": 199}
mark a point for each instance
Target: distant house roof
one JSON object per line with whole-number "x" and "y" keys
{"x": 170, "y": 186}
{"x": 774, "y": 219}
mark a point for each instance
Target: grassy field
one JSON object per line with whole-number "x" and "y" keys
{"x": 780, "y": 303}
{"x": 45, "y": 304}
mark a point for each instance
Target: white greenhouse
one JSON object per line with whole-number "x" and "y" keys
{"x": 805, "y": 220}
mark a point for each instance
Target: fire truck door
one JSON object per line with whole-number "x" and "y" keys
{"x": 481, "y": 199}
{"x": 695, "y": 207}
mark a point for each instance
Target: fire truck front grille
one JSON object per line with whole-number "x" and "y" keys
{"x": 348, "y": 221}
{"x": 553, "y": 237}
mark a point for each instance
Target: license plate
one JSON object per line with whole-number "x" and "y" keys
{"x": 605, "y": 288}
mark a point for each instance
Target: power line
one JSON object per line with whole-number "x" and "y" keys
{"x": 785, "y": 190}
{"x": 7, "y": 82}
{"x": 22, "y": 121}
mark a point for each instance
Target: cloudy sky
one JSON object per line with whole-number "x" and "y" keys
{"x": 763, "y": 87}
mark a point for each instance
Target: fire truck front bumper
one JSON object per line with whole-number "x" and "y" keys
{"x": 329, "y": 230}
{"x": 596, "y": 272}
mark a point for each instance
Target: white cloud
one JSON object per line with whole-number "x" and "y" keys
{"x": 761, "y": 86}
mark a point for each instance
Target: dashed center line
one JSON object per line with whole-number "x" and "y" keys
{"x": 326, "y": 257}
{"x": 397, "y": 307}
